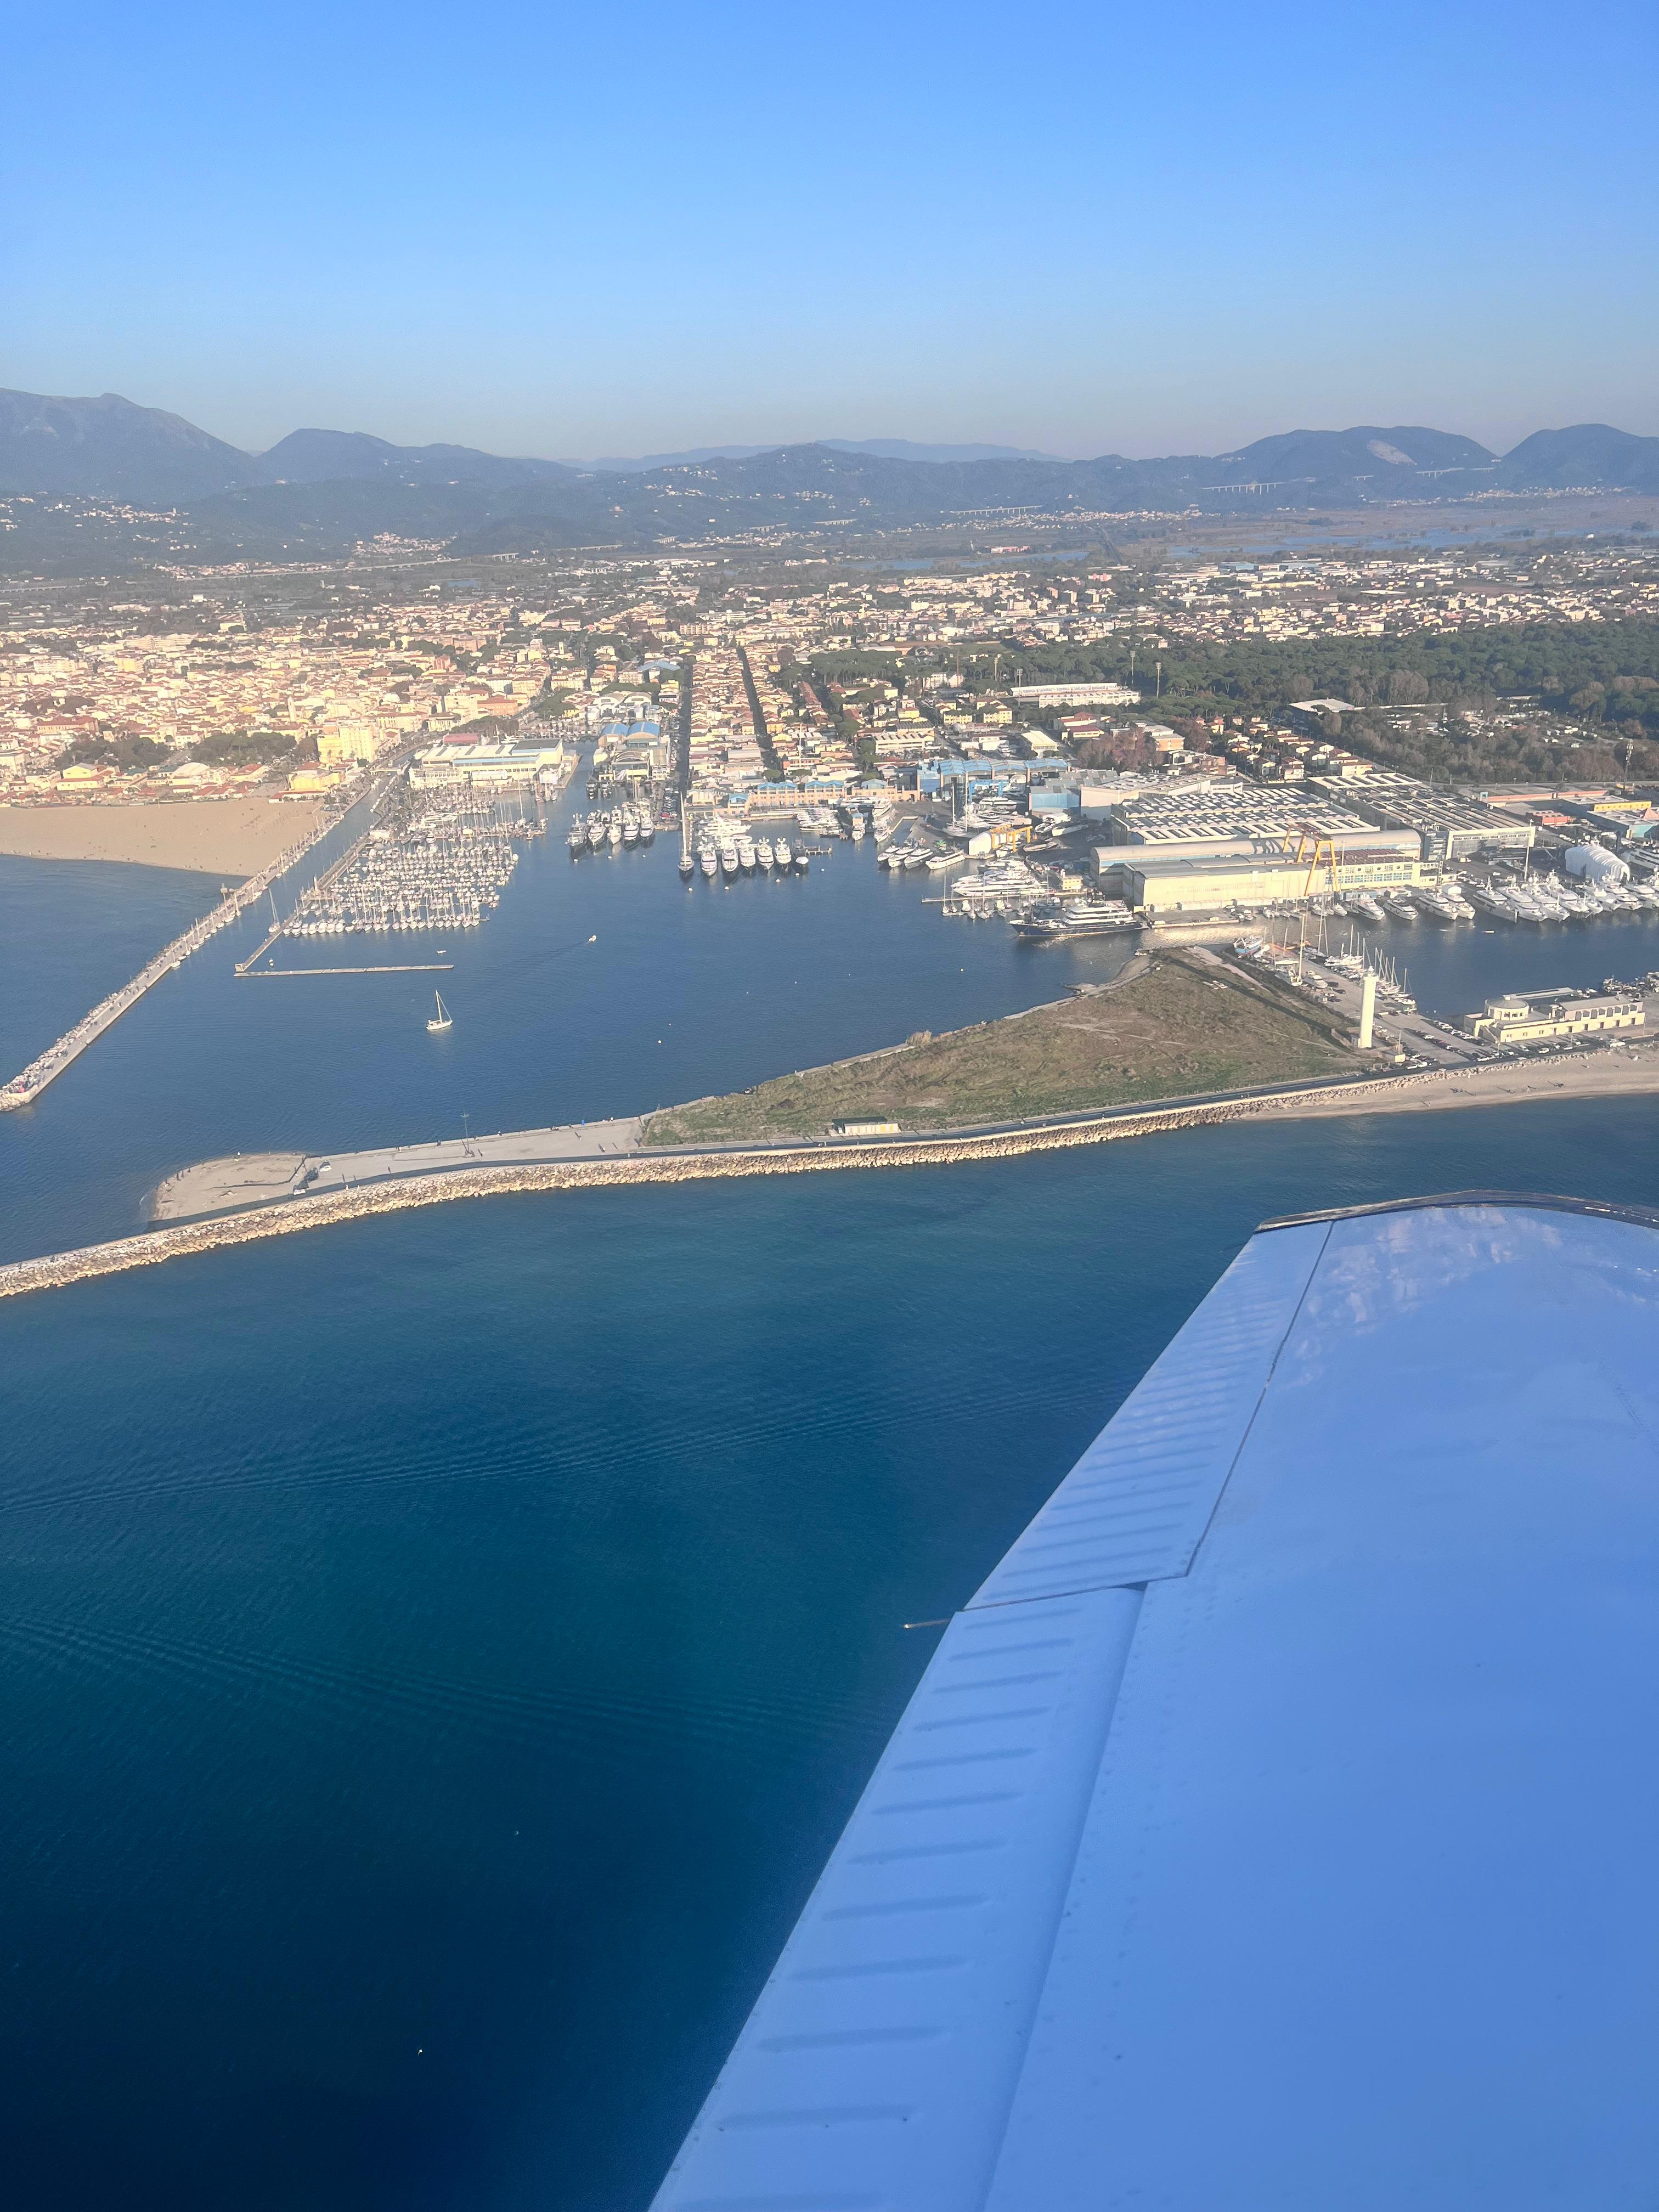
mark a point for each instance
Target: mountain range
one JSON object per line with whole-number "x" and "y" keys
{"x": 319, "y": 492}
{"x": 887, "y": 449}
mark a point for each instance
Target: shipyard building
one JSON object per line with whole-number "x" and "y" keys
{"x": 486, "y": 763}
{"x": 1451, "y": 828}
{"x": 1169, "y": 880}
{"x": 1245, "y": 845}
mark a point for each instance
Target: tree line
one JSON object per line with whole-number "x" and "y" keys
{"x": 1608, "y": 673}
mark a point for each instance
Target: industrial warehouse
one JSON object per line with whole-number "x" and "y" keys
{"x": 490, "y": 763}
{"x": 1199, "y": 851}
{"x": 1260, "y": 874}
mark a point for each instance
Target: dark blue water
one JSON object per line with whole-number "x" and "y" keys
{"x": 440, "y": 1650}
{"x": 688, "y": 991}
{"x": 1453, "y": 971}
{"x": 73, "y": 931}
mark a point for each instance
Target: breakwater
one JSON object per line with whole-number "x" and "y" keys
{"x": 25, "y": 1088}
{"x": 290, "y": 1216}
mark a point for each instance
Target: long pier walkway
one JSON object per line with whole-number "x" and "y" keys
{"x": 377, "y": 968}
{"x": 25, "y": 1088}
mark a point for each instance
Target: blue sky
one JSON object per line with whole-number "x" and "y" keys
{"x": 1079, "y": 229}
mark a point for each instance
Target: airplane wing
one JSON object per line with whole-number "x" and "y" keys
{"x": 1277, "y": 1828}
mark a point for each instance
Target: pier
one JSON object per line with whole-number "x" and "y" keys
{"x": 25, "y": 1087}
{"x": 382, "y": 968}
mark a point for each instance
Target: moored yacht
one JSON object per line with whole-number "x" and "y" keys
{"x": 1075, "y": 917}
{"x": 1487, "y": 898}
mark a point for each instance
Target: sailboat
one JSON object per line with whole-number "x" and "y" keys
{"x": 443, "y": 1019}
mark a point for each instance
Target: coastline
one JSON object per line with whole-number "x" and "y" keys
{"x": 212, "y": 836}
{"x": 1600, "y": 1074}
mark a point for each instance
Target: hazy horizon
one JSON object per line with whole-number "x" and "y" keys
{"x": 1133, "y": 237}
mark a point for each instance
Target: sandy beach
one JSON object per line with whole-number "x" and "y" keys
{"x": 218, "y": 836}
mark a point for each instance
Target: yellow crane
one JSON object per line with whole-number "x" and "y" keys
{"x": 1318, "y": 845}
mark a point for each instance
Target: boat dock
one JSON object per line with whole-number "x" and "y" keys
{"x": 381, "y": 967}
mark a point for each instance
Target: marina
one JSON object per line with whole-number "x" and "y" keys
{"x": 862, "y": 961}
{"x": 440, "y": 861}
{"x": 728, "y": 846}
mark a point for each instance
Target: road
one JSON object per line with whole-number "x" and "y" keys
{"x": 267, "y": 1178}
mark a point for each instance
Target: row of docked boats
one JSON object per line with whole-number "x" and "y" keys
{"x": 610, "y": 830}
{"x": 1521, "y": 899}
{"x": 1540, "y": 899}
{"x": 726, "y": 853}
{"x": 897, "y": 859}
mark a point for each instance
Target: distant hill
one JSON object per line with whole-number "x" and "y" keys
{"x": 330, "y": 456}
{"x": 1589, "y": 454}
{"x": 902, "y": 449}
{"x": 108, "y": 448}
{"x": 319, "y": 492}
{"x": 891, "y": 449}
{"x": 1362, "y": 456}
{"x": 644, "y": 461}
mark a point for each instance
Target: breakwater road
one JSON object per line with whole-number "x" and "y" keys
{"x": 284, "y": 1209}
{"x": 23, "y": 1090}
{"x": 253, "y": 1179}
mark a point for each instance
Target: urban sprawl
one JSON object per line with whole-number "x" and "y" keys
{"x": 1064, "y": 743}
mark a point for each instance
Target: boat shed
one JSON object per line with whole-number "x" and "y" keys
{"x": 1275, "y": 1827}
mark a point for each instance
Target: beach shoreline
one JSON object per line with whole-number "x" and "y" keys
{"x": 210, "y": 836}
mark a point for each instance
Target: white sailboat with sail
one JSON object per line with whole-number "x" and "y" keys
{"x": 443, "y": 1019}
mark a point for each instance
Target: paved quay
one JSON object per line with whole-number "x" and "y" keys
{"x": 251, "y": 1179}
{"x": 435, "y": 1175}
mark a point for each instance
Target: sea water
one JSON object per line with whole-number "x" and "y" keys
{"x": 683, "y": 991}
{"x": 440, "y": 1650}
